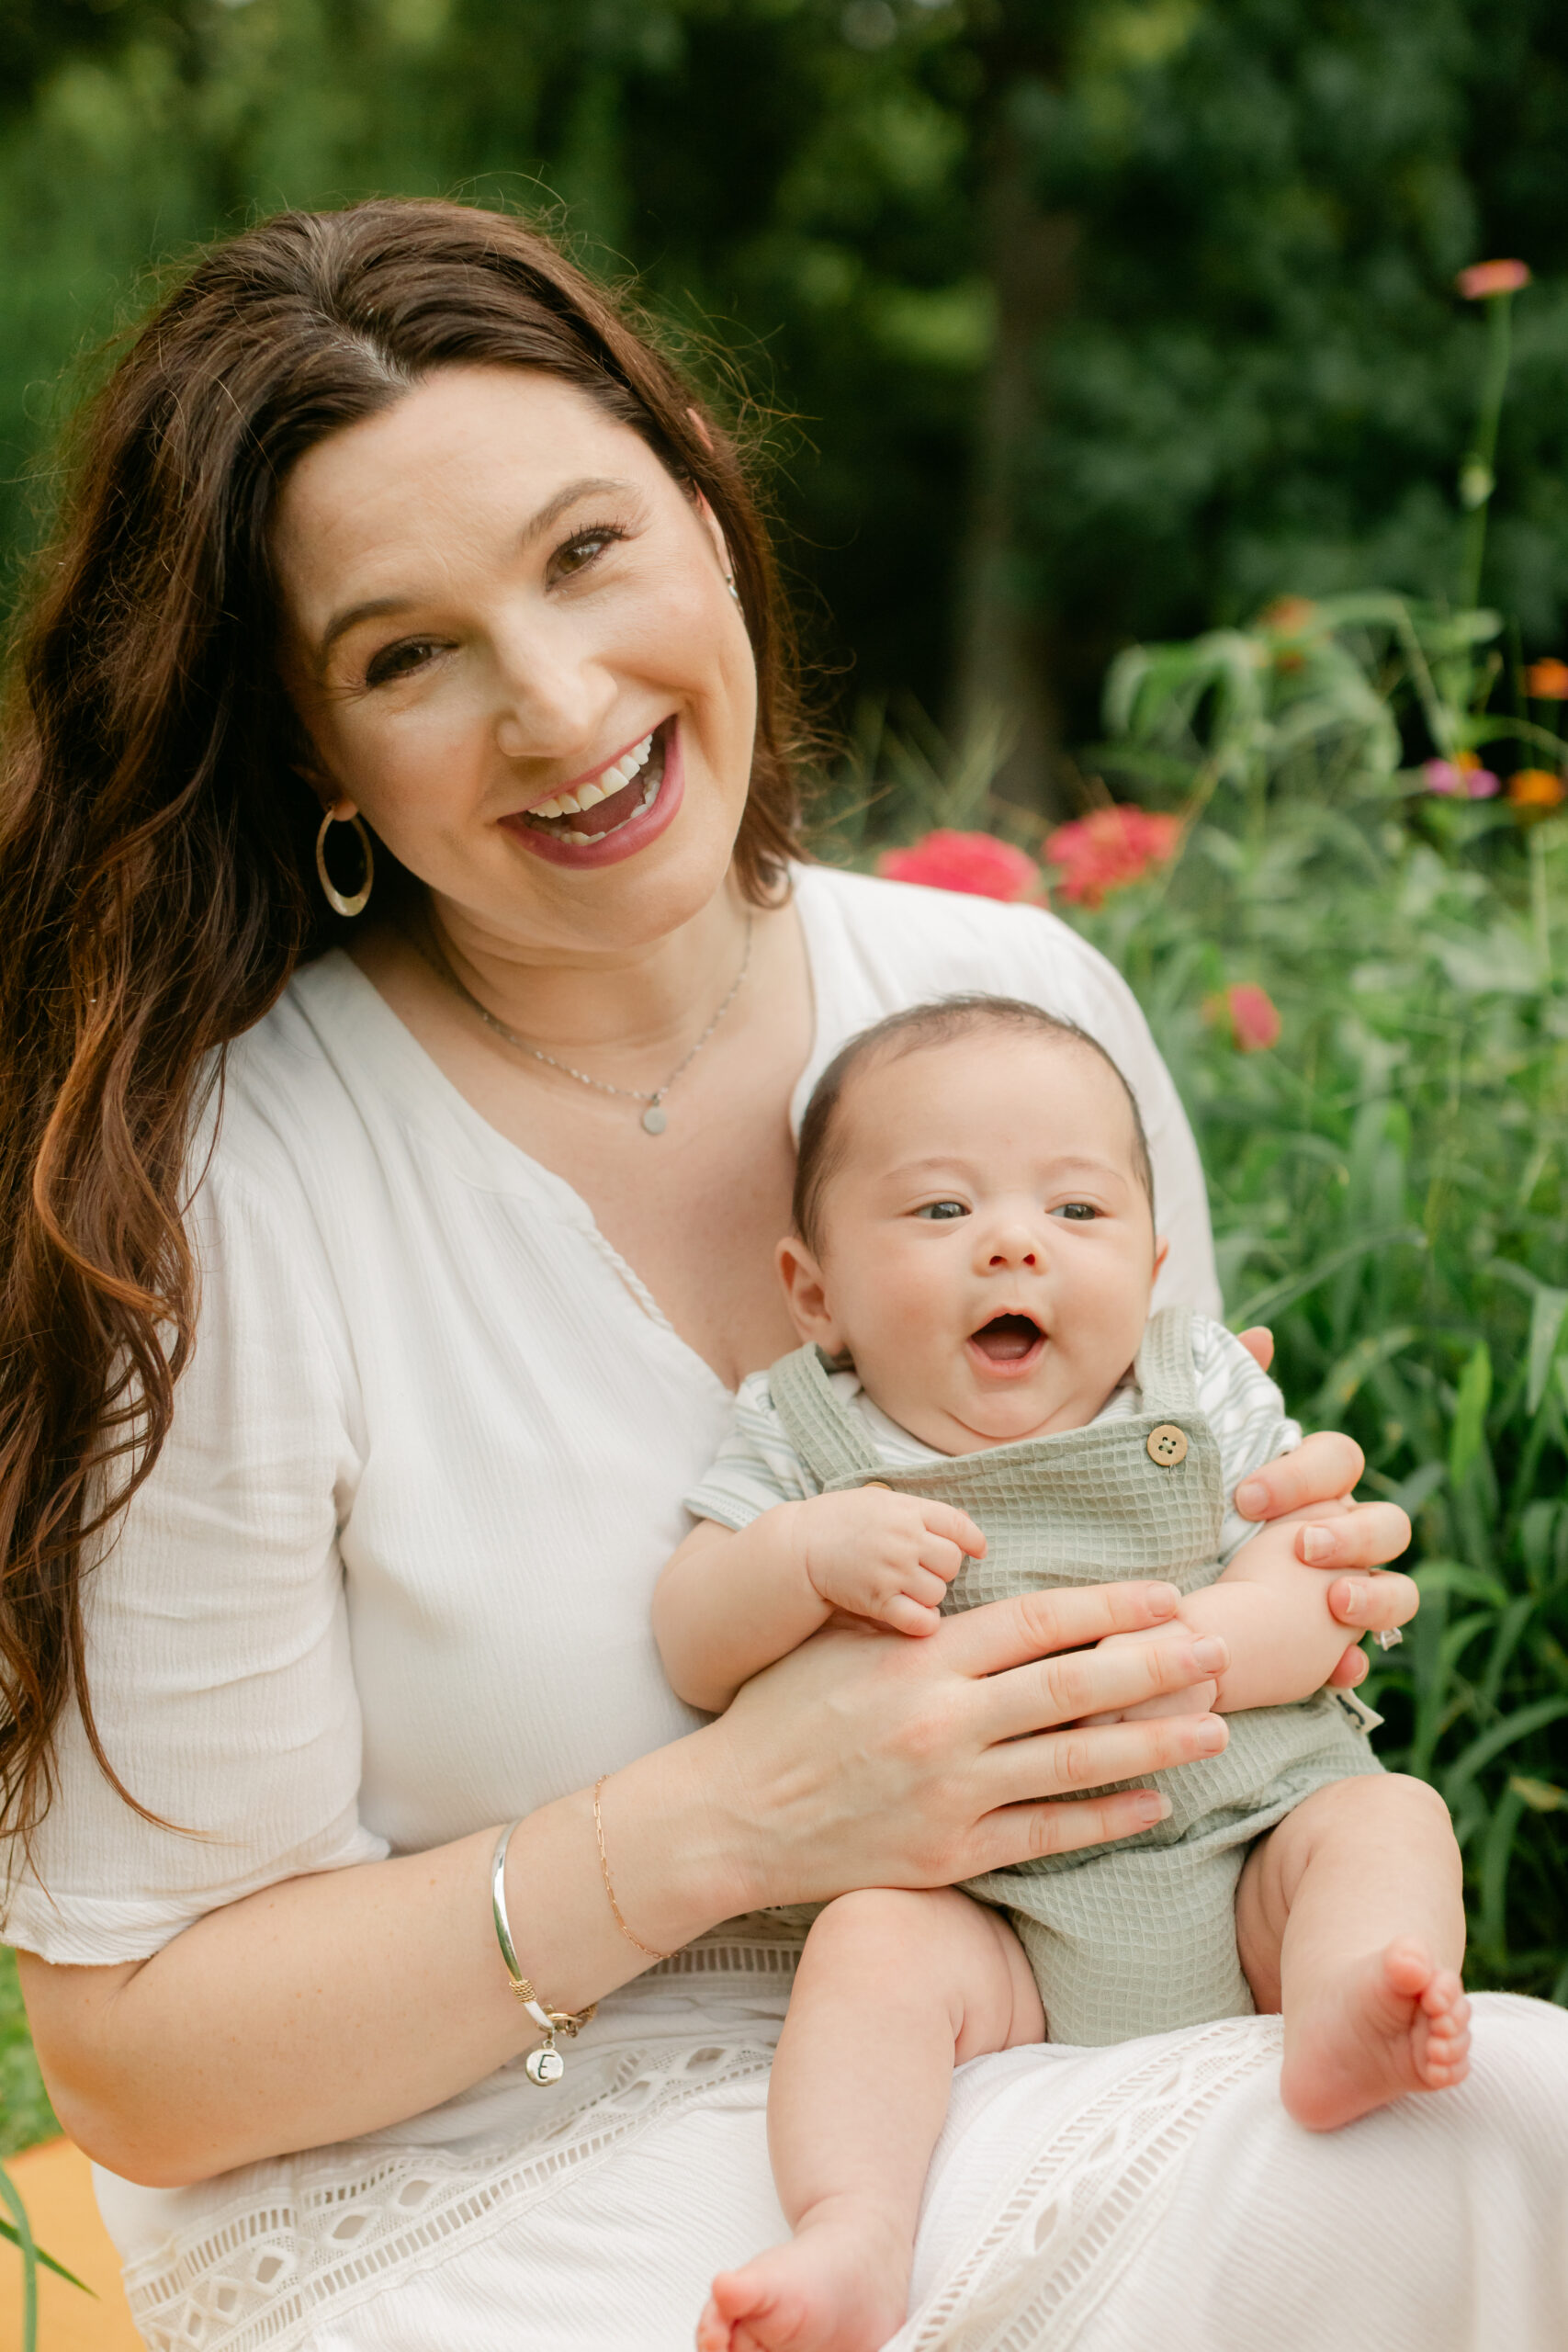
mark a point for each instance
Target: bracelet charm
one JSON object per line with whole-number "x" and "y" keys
{"x": 543, "y": 2065}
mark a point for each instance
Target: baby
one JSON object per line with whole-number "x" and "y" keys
{"x": 975, "y": 1235}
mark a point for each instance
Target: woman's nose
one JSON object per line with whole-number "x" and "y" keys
{"x": 553, "y": 695}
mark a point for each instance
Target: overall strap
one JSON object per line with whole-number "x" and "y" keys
{"x": 829, "y": 1440}
{"x": 1164, "y": 1367}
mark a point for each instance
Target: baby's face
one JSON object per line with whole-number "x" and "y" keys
{"x": 987, "y": 1249}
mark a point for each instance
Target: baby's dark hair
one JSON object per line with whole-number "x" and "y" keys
{"x": 938, "y": 1023}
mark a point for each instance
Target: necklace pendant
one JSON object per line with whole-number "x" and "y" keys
{"x": 654, "y": 1120}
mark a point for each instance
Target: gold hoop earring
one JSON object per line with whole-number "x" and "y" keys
{"x": 335, "y": 897}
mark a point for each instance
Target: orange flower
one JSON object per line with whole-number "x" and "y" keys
{"x": 1108, "y": 849}
{"x": 1484, "y": 279}
{"x": 1286, "y": 616}
{"x": 1537, "y": 789}
{"x": 1250, "y": 1014}
{"x": 1548, "y": 680}
{"x": 977, "y": 863}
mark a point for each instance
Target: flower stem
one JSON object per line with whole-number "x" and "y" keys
{"x": 1476, "y": 479}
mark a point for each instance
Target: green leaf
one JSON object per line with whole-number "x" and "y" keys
{"x": 1541, "y": 1796}
{"x": 1480, "y": 1752}
{"x": 1458, "y": 1576}
{"x": 23, "y": 2234}
{"x": 1547, "y": 1312}
{"x": 1280, "y": 1294}
{"x": 1470, "y": 1415}
{"x": 1353, "y": 1368}
{"x": 9, "y": 2230}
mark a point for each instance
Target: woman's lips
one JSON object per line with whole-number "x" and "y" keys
{"x": 613, "y": 833}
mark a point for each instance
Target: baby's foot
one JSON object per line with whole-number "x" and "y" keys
{"x": 1390, "y": 2022}
{"x": 841, "y": 2285}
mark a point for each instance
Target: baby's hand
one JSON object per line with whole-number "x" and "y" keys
{"x": 1195, "y": 1699}
{"x": 890, "y": 1557}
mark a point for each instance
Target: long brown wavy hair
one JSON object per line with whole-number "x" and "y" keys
{"x": 156, "y": 845}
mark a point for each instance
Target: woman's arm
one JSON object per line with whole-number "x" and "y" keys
{"x": 341, "y": 2002}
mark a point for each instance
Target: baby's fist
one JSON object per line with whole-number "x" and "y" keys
{"x": 890, "y": 1557}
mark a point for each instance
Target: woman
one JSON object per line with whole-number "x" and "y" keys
{"x": 388, "y": 522}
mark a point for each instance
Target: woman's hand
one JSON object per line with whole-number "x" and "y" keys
{"x": 1312, "y": 1487}
{"x": 860, "y": 1762}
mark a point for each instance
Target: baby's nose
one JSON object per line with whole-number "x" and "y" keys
{"x": 1019, "y": 1256}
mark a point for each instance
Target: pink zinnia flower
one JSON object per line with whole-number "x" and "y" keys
{"x": 1463, "y": 776}
{"x": 1484, "y": 279}
{"x": 1108, "y": 849}
{"x": 1250, "y": 1014}
{"x": 976, "y": 863}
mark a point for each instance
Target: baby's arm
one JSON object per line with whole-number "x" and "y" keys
{"x": 1273, "y": 1612}
{"x": 730, "y": 1603}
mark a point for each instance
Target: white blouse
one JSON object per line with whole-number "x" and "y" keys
{"x": 389, "y": 1580}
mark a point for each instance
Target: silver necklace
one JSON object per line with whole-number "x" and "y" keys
{"x": 654, "y": 1118}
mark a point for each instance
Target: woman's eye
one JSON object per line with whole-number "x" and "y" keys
{"x": 939, "y": 1211}
{"x": 585, "y": 549}
{"x": 397, "y": 661}
{"x": 1076, "y": 1212}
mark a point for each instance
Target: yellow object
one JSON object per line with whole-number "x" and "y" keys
{"x": 56, "y": 2185}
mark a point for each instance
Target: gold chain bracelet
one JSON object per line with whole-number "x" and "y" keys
{"x": 604, "y": 1874}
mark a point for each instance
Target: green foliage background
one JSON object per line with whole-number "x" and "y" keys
{"x": 1099, "y": 318}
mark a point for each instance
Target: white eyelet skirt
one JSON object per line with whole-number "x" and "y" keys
{"x": 1150, "y": 2195}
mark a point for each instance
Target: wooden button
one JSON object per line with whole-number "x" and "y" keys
{"x": 1168, "y": 1445}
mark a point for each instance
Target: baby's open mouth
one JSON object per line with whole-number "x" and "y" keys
{"x": 1008, "y": 1338}
{"x": 616, "y": 796}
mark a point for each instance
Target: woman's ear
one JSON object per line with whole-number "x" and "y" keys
{"x": 324, "y": 791}
{"x": 805, "y": 1294}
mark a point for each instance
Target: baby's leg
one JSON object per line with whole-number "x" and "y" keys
{"x": 1351, "y": 1918}
{"x": 894, "y": 1990}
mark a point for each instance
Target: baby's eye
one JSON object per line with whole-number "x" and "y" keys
{"x": 1076, "y": 1212}
{"x": 942, "y": 1210}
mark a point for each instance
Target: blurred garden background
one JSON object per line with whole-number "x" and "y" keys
{"x": 1175, "y": 535}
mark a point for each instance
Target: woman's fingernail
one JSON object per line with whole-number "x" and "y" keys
{"x": 1252, "y": 1498}
{"x": 1211, "y": 1735}
{"x": 1161, "y": 1600}
{"x": 1151, "y": 1806}
{"x": 1316, "y": 1544}
{"x": 1211, "y": 1654}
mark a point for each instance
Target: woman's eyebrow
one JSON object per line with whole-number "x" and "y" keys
{"x": 377, "y": 607}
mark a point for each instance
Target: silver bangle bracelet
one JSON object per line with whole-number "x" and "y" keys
{"x": 544, "y": 2064}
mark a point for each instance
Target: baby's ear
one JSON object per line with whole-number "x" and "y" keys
{"x": 805, "y": 1294}
{"x": 1162, "y": 1252}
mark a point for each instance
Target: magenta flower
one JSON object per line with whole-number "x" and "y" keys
{"x": 1463, "y": 778}
{"x": 976, "y": 863}
{"x": 1109, "y": 848}
{"x": 1250, "y": 1014}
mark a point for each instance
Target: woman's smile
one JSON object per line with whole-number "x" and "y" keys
{"x": 613, "y": 811}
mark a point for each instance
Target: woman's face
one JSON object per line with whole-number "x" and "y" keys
{"x": 494, "y": 596}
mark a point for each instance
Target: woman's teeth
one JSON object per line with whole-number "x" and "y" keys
{"x": 604, "y": 787}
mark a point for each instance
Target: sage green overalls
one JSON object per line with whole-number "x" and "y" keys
{"x": 1138, "y": 1936}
